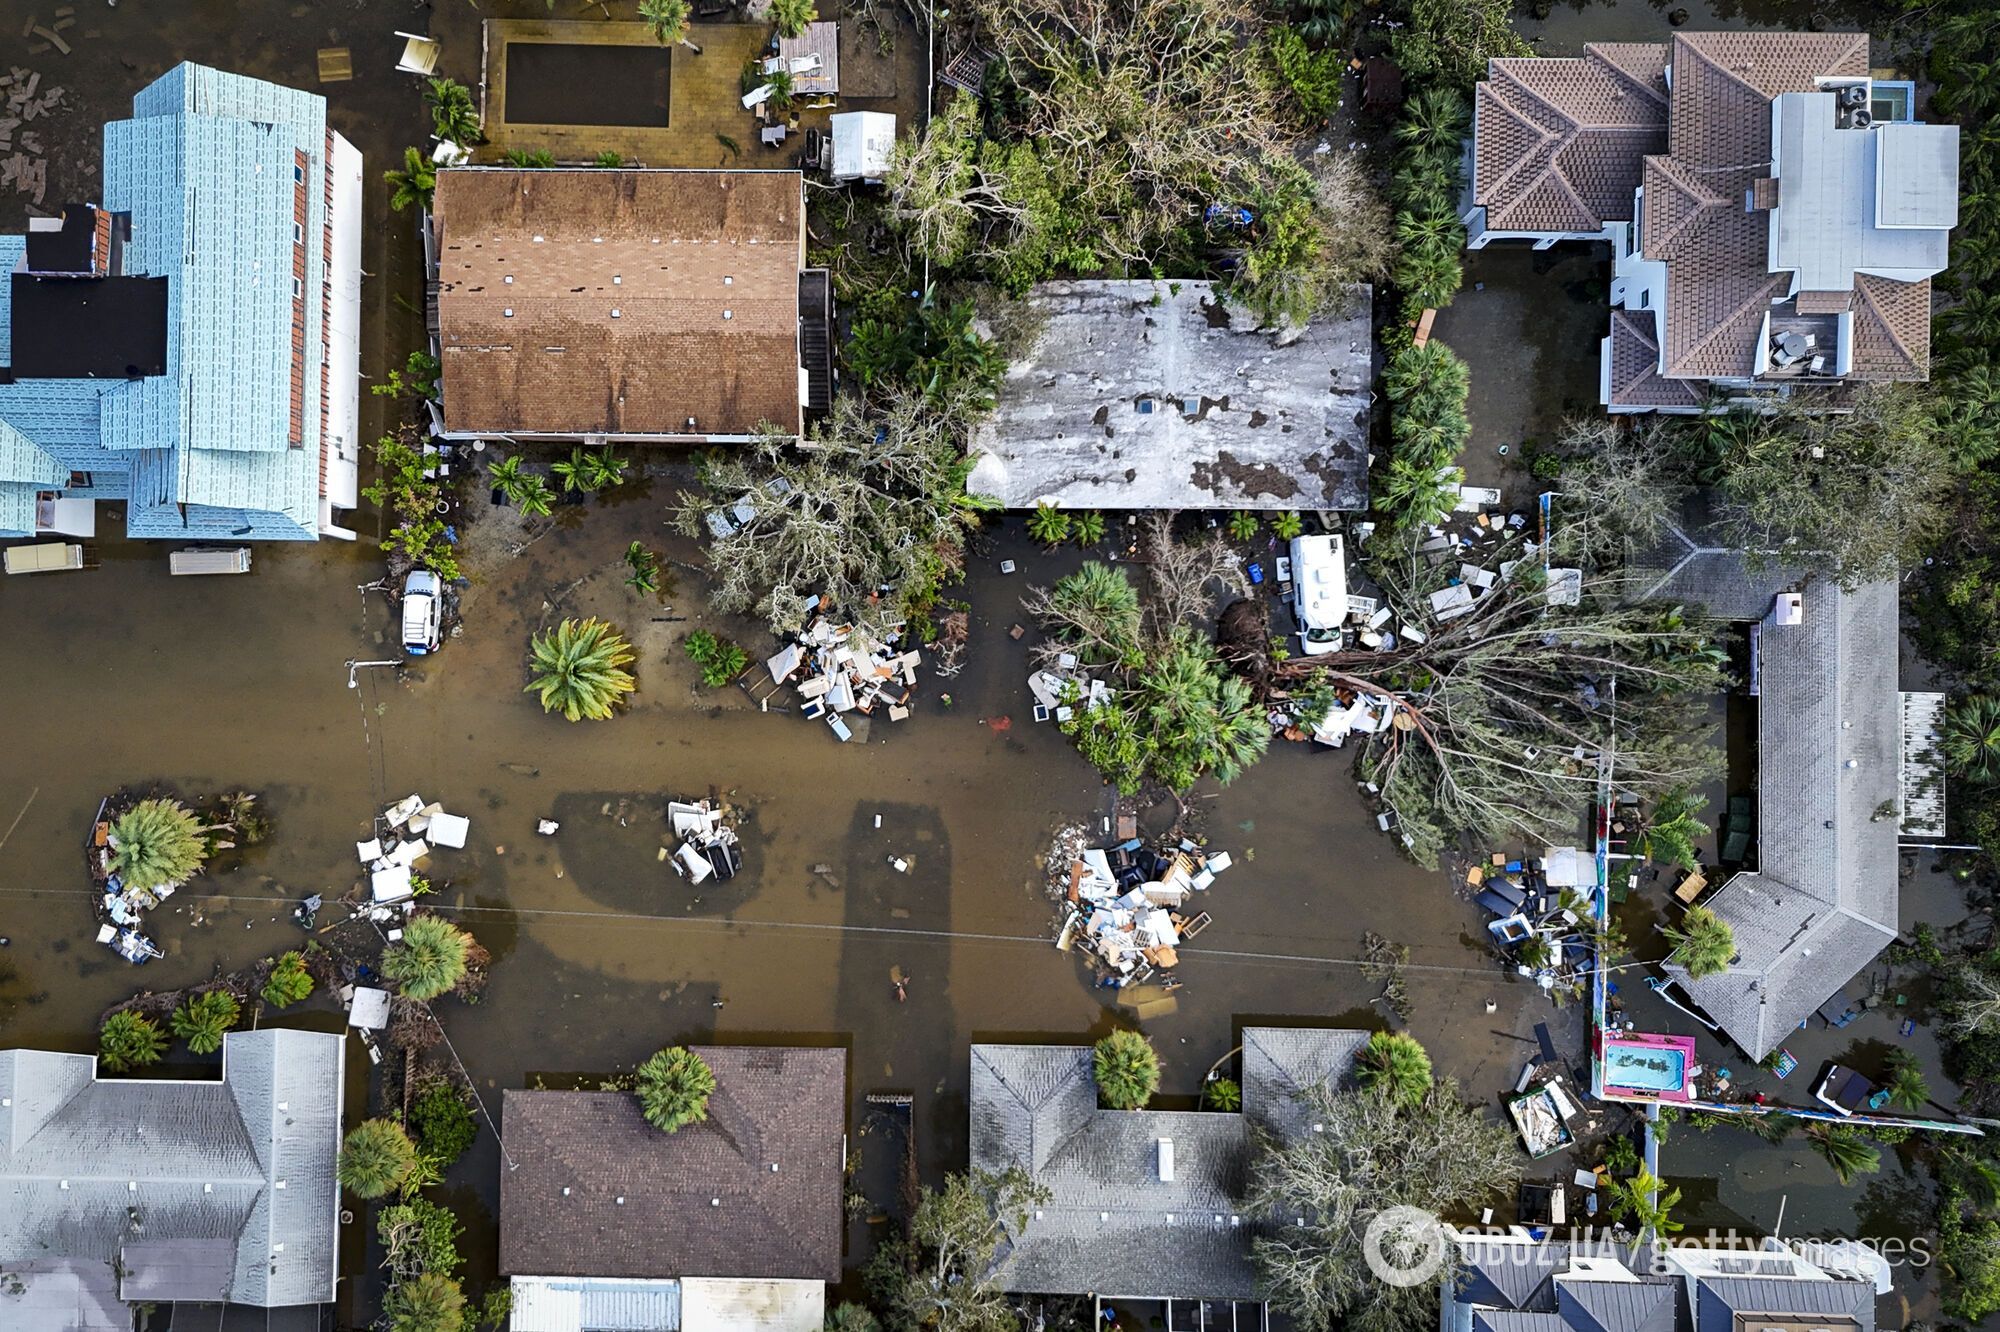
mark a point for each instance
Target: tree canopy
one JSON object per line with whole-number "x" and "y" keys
{"x": 938, "y": 1276}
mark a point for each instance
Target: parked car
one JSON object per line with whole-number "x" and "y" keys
{"x": 423, "y": 598}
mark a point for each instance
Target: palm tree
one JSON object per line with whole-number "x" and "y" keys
{"x": 610, "y": 159}
{"x": 669, "y": 21}
{"x": 1096, "y": 609}
{"x": 574, "y": 471}
{"x": 414, "y": 184}
{"x": 579, "y": 669}
{"x": 205, "y": 1019}
{"x": 644, "y": 577}
{"x": 603, "y": 469}
{"x": 541, "y": 157}
{"x": 506, "y": 476}
{"x": 1126, "y": 1069}
{"x": 674, "y": 1086}
{"x": 1674, "y": 828}
{"x": 791, "y": 16}
{"x": 453, "y": 116}
{"x": 289, "y": 982}
{"x": 377, "y": 1157}
{"x": 1087, "y": 527}
{"x": 430, "y": 959}
{"x": 1434, "y": 121}
{"x": 426, "y": 1302}
{"x": 156, "y": 843}
{"x": 1222, "y": 1094}
{"x": 1907, "y": 1085}
{"x": 1844, "y": 1150}
{"x": 1972, "y": 738}
{"x": 127, "y": 1041}
{"x": 1048, "y": 525}
{"x": 1641, "y": 1198}
{"x": 535, "y": 497}
{"x": 1396, "y": 1065}
{"x": 1703, "y": 943}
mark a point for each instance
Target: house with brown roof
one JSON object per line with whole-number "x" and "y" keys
{"x": 1773, "y": 225}
{"x": 625, "y": 305}
{"x": 732, "y": 1224}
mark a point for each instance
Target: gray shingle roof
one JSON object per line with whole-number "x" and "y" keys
{"x": 705, "y": 1201}
{"x": 1112, "y": 1226}
{"x": 1824, "y": 900}
{"x": 1693, "y": 564}
{"x": 62, "y": 1295}
{"x": 1512, "y": 1276}
{"x": 1617, "y": 1306}
{"x": 1851, "y": 1303}
{"x": 115, "y": 1170}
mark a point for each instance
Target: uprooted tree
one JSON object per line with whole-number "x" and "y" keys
{"x": 1500, "y": 719}
{"x": 938, "y": 1276}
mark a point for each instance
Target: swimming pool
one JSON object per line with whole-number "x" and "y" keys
{"x": 1660, "y": 1069}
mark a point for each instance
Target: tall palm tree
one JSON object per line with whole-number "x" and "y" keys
{"x": 507, "y": 477}
{"x": 1395, "y": 1064}
{"x": 1907, "y": 1085}
{"x": 1674, "y": 828}
{"x": 155, "y": 843}
{"x": 430, "y": 959}
{"x": 1646, "y": 1199}
{"x": 377, "y": 1157}
{"x": 1844, "y": 1150}
{"x": 1703, "y": 943}
{"x": 1126, "y": 1069}
{"x": 414, "y": 184}
{"x": 792, "y": 16}
{"x": 669, "y": 21}
{"x": 1972, "y": 738}
{"x": 535, "y": 497}
{"x": 453, "y": 116}
{"x": 674, "y": 1086}
{"x": 579, "y": 669}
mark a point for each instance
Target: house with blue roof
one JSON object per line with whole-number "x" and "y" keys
{"x": 189, "y": 345}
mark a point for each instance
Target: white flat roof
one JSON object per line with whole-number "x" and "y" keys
{"x": 1824, "y": 226}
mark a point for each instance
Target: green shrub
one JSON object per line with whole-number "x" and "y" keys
{"x": 430, "y": 1302}
{"x": 1312, "y": 79}
{"x": 289, "y": 983}
{"x": 377, "y": 1158}
{"x": 127, "y": 1041}
{"x": 442, "y": 1122}
{"x": 721, "y": 661}
{"x": 156, "y": 843}
{"x": 1222, "y": 1094}
{"x": 205, "y": 1019}
{"x": 419, "y": 1236}
{"x": 430, "y": 959}
{"x": 1048, "y": 525}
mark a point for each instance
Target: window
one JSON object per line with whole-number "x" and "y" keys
{"x": 298, "y": 289}
{"x": 80, "y": 481}
{"x": 298, "y": 234}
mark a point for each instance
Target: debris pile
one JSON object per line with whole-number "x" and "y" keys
{"x": 1060, "y": 690}
{"x": 1543, "y": 911}
{"x": 1126, "y": 907}
{"x": 406, "y": 833}
{"x": 841, "y": 669}
{"x": 22, "y": 164}
{"x": 708, "y": 846}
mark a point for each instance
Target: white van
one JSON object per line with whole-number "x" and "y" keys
{"x": 1319, "y": 583}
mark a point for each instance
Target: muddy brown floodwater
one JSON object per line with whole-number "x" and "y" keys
{"x": 124, "y": 676}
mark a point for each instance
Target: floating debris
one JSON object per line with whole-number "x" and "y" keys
{"x": 708, "y": 846}
{"x": 1124, "y": 906}
{"x": 840, "y": 668}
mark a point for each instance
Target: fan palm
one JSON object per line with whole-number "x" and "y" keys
{"x": 1126, "y": 1069}
{"x": 674, "y": 1086}
{"x": 1087, "y": 527}
{"x": 127, "y": 1041}
{"x": 1674, "y": 828}
{"x": 156, "y": 843}
{"x": 289, "y": 982}
{"x": 430, "y": 959}
{"x": 205, "y": 1019}
{"x": 1048, "y": 525}
{"x": 579, "y": 669}
{"x": 1396, "y": 1065}
{"x": 1435, "y": 120}
{"x": 1703, "y": 943}
{"x": 1844, "y": 1151}
{"x": 377, "y": 1157}
{"x": 668, "y": 19}
{"x": 1647, "y": 1201}
{"x": 453, "y": 115}
{"x": 792, "y": 16}
{"x": 1972, "y": 738}
{"x": 414, "y": 184}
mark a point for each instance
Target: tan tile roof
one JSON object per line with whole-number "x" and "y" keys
{"x": 1560, "y": 142}
{"x": 1635, "y": 359}
{"x": 671, "y": 251}
{"x": 1823, "y": 302}
{"x": 1677, "y": 207}
{"x": 1892, "y": 328}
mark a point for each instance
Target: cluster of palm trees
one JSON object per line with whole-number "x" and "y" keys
{"x": 584, "y": 471}
{"x": 1427, "y": 388}
{"x": 1052, "y": 526}
{"x": 1424, "y": 189}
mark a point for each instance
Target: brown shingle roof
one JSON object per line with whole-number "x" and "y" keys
{"x": 1560, "y": 142}
{"x": 1635, "y": 359}
{"x": 771, "y": 1107}
{"x": 1823, "y": 302}
{"x": 1892, "y": 328}
{"x": 671, "y": 251}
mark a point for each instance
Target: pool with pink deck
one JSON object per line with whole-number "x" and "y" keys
{"x": 1640, "y": 1063}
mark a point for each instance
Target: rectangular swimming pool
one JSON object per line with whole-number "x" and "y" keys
{"x": 1648, "y": 1064}
{"x": 567, "y": 83}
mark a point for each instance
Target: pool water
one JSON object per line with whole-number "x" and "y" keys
{"x": 564, "y": 83}
{"x": 1645, "y": 1067}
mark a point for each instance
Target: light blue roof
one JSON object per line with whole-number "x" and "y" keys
{"x": 206, "y": 168}
{"x": 25, "y": 469}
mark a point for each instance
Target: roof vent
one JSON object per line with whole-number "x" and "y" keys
{"x": 208, "y": 1188}
{"x": 729, "y": 314}
{"x": 279, "y": 1185}
{"x": 565, "y": 1190}
{"x": 715, "y": 1202}
{"x": 508, "y": 312}
{"x": 65, "y": 1186}
{"x": 617, "y": 279}
{"x": 728, "y": 281}
{"x": 509, "y": 279}
{"x": 615, "y": 312}
{"x": 131, "y": 1186}
{"x": 774, "y": 1167}
{"x": 538, "y": 240}
{"x": 621, "y": 1200}
{"x": 1166, "y": 1160}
